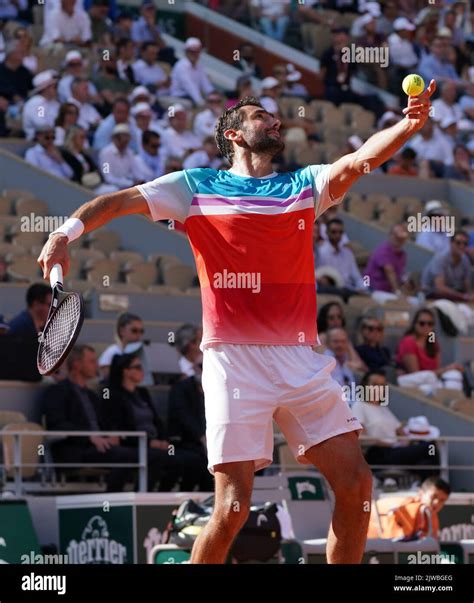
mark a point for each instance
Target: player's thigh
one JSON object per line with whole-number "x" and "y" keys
{"x": 233, "y": 485}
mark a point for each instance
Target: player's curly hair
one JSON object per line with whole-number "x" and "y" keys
{"x": 232, "y": 119}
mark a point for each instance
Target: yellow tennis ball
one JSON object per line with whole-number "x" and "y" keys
{"x": 413, "y": 85}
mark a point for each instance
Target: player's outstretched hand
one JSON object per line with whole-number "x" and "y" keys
{"x": 54, "y": 252}
{"x": 418, "y": 109}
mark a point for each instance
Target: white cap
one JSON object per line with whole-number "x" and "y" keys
{"x": 373, "y": 8}
{"x": 270, "y": 82}
{"x": 176, "y": 108}
{"x": 447, "y": 121}
{"x": 193, "y": 44}
{"x": 443, "y": 32}
{"x": 355, "y": 142}
{"x": 387, "y": 116}
{"x": 141, "y": 108}
{"x": 139, "y": 91}
{"x": 434, "y": 206}
{"x": 43, "y": 80}
{"x": 293, "y": 76}
{"x": 73, "y": 55}
{"x": 402, "y": 23}
{"x": 121, "y": 129}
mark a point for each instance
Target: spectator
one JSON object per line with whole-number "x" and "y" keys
{"x": 178, "y": 141}
{"x": 148, "y": 72}
{"x": 274, "y": 17}
{"x": 46, "y": 156}
{"x": 89, "y": 117}
{"x": 429, "y": 144}
{"x": 125, "y": 60}
{"x": 122, "y": 29}
{"x": 101, "y": 25}
{"x": 74, "y": 70}
{"x": 129, "y": 339}
{"x": 15, "y": 79}
{"x": 207, "y": 157}
{"x": 435, "y": 64}
{"x": 446, "y": 106}
{"x": 146, "y": 30}
{"x": 72, "y": 406}
{"x": 293, "y": 85}
{"x": 187, "y": 342}
{"x": 372, "y": 352}
{"x": 42, "y": 108}
{"x": 447, "y": 274}
{"x": 130, "y": 408}
{"x": 109, "y": 84}
{"x": 317, "y": 241}
{"x": 151, "y": 153}
{"x": 120, "y": 115}
{"x": 375, "y": 73}
{"x": 67, "y": 117}
{"x": 119, "y": 165}
{"x": 205, "y": 121}
{"x": 461, "y": 168}
{"x": 387, "y": 264}
{"x": 434, "y": 240}
{"x": 419, "y": 358}
{"x": 243, "y": 88}
{"x": 271, "y": 90}
{"x": 403, "y": 56}
{"x": 336, "y": 255}
{"x": 68, "y": 24}
{"x": 247, "y": 62}
{"x": 186, "y": 420}
{"x": 142, "y": 121}
{"x": 31, "y": 58}
{"x": 379, "y": 422}
{"x": 417, "y": 517}
{"x": 337, "y": 342}
{"x": 388, "y": 119}
{"x": 331, "y": 316}
{"x": 405, "y": 164}
{"x": 10, "y": 9}
{"x": 188, "y": 78}
{"x": 386, "y": 21}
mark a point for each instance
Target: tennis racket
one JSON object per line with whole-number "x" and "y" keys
{"x": 65, "y": 318}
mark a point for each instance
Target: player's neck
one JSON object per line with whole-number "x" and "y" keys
{"x": 252, "y": 167}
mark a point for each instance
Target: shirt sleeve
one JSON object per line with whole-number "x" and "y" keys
{"x": 320, "y": 178}
{"x": 168, "y": 197}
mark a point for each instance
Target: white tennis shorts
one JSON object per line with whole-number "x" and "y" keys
{"x": 246, "y": 386}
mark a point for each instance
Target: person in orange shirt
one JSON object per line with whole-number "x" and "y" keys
{"x": 406, "y": 164}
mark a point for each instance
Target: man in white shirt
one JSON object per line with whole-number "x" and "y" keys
{"x": 431, "y": 145}
{"x": 45, "y": 156}
{"x": 207, "y": 157}
{"x": 336, "y": 255}
{"x": 402, "y": 50}
{"x": 271, "y": 89}
{"x": 42, "y": 108}
{"x": 151, "y": 154}
{"x": 188, "y": 78}
{"x": 73, "y": 69}
{"x": 148, "y": 72}
{"x": 446, "y": 105}
{"x": 205, "y": 121}
{"x": 119, "y": 165}
{"x": 89, "y": 117}
{"x": 438, "y": 242}
{"x": 142, "y": 116}
{"x": 67, "y": 24}
{"x": 178, "y": 141}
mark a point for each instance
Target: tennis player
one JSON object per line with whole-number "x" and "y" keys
{"x": 251, "y": 233}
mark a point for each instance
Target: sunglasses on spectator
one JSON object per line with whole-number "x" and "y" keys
{"x": 373, "y": 328}
{"x": 425, "y": 323}
{"x": 138, "y": 367}
{"x": 137, "y": 331}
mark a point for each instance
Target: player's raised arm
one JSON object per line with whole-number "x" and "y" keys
{"x": 381, "y": 146}
{"x": 90, "y": 216}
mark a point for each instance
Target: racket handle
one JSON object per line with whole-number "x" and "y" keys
{"x": 56, "y": 275}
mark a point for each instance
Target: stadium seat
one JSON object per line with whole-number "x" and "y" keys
{"x": 17, "y": 193}
{"x": 142, "y": 274}
{"x": 103, "y": 269}
{"x": 11, "y": 416}
{"x": 181, "y": 276}
{"x": 164, "y": 290}
{"x": 27, "y": 205}
{"x": 362, "y": 120}
{"x": 78, "y": 285}
{"x": 105, "y": 240}
{"x": 390, "y": 213}
{"x": 411, "y": 204}
{"x": 361, "y": 208}
{"x": 29, "y": 448}
{"x": 9, "y": 251}
{"x": 316, "y": 38}
{"x": 126, "y": 259}
{"x": 23, "y": 269}
{"x": 464, "y": 406}
{"x": 28, "y": 240}
{"x": 84, "y": 255}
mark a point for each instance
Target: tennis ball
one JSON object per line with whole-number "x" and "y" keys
{"x": 413, "y": 84}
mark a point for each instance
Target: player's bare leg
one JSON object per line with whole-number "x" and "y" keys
{"x": 341, "y": 462}
{"x": 233, "y": 491}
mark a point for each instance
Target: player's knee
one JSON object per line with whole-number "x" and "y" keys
{"x": 355, "y": 486}
{"x": 232, "y": 514}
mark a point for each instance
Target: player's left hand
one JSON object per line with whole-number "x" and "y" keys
{"x": 418, "y": 109}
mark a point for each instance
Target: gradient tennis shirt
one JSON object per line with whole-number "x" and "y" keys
{"x": 252, "y": 239}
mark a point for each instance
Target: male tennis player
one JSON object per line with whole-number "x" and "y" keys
{"x": 251, "y": 232}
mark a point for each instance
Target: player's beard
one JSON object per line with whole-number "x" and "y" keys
{"x": 266, "y": 144}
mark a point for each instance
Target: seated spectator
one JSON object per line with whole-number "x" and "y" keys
{"x": 337, "y": 342}
{"x": 207, "y": 157}
{"x": 145, "y": 29}
{"x": 119, "y": 165}
{"x": 151, "y": 153}
{"x": 188, "y": 78}
{"x": 101, "y": 25}
{"x": 71, "y": 405}
{"x": 403, "y": 55}
{"x": 371, "y": 351}
{"x": 405, "y": 164}
{"x": 368, "y": 37}
{"x": 187, "y": 342}
{"x": 120, "y": 115}
{"x": 122, "y": 28}
{"x": 142, "y": 115}
{"x": 130, "y": 408}
{"x": 247, "y": 60}
{"x": 125, "y": 60}
{"x": 437, "y": 241}
{"x": 205, "y": 121}
{"x": 73, "y": 68}
{"x": 293, "y": 85}
{"x": 419, "y": 358}
{"x": 148, "y": 72}
{"x": 387, "y": 264}
{"x": 67, "y": 117}
{"x": 331, "y": 316}
{"x": 10, "y": 9}
{"x": 68, "y": 24}
{"x": 447, "y": 274}
{"x": 243, "y": 88}
{"x": 15, "y": 79}
{"x": 46, "y": 156}
{"x": 274, "y": 17}
{"x": 129, "y": 339}
{"x": 109, "y": 84}
{"x": 416, "y": 517}
{"x": 461, "y": 168}
{"x": 336, "y": 255}
{"x": 430, "y": 144}
{"x": 89, "y": 117}
{"x": 379, "y": 422}
{"x": 178, "y": 140}
{"x": 43, "y": 107}
{"x": 31, "y": 58}
{"x": 449, "y": 130}
{"x": 435, "y": 64}
{"x": 446, "y": 106}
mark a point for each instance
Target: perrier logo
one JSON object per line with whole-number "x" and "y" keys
{"x": 96, "y": 546}
{"x": 305, "y": 488}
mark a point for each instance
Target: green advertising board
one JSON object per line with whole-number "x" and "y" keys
{"x": 17, "y": 535}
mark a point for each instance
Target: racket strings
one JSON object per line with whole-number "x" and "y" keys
{"x": 58, "y": 331}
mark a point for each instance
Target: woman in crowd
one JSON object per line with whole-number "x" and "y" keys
{"x": 67, "y": 117}
{"x": 419, "y": 358}
{"x": 32, "y": 60}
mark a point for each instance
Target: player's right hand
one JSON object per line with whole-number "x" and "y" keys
{"x": 54, "y": 252}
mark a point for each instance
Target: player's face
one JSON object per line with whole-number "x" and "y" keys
{"x": 261, "y": 131}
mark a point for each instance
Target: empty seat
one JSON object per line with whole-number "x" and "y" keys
{"x": 27, "y": 205}
{"x": 142, "y": 274}
{"x": 29, "y": 239}
{"x": 105, "y": 240}
{"x": 361, "y": 208}
{"x": 11, "y": 416}
{"x": 29, "y": 448}
{"x": 103, "y": 272}
{"x": 126, "y": 258}
{"x": 390, "y": 213}
{"x": 85, "y": 255}
{"x": 23, "y": 269}
{"x": 9, "y": 251}
{"x": 319, "y": 106}
{"x": 181, "y": 276}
